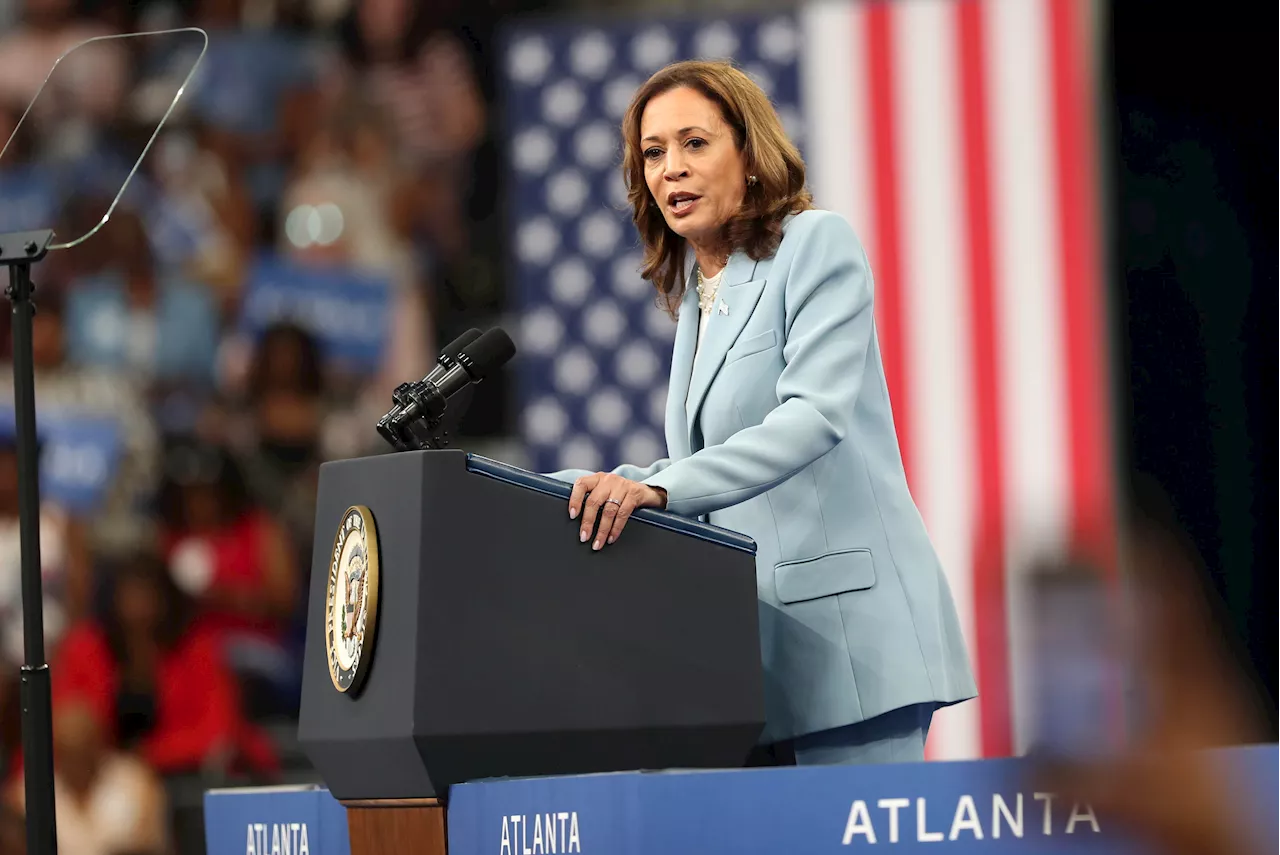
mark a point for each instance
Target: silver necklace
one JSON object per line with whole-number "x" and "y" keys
{"x": 707, "y": 290}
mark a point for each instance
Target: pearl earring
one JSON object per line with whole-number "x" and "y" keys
{"x": 751, "y": 179}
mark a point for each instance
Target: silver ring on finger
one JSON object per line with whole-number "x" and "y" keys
{"x": 617, "y": 502}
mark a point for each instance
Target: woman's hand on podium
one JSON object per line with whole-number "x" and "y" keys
{"x": 613, "y": 499}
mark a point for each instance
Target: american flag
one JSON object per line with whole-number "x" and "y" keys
{"x": 958, "y": 138}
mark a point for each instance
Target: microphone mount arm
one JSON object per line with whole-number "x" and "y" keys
{"x": 422, "y": 431}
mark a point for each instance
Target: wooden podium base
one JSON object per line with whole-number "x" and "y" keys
{"x": 392, "y": 826}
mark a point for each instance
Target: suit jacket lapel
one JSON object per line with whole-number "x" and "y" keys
{"x": 677, "y": 425}
{"x": 734, "y": 304}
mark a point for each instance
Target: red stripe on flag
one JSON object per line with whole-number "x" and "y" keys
{"x": 887, "y": 239}
{"x": 1093, "y": 528}
{"x": 1091, "y": 523}
{"x": 990, "y": 620}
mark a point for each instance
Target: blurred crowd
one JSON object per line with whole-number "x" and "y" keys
{"x": 316, "y": 138}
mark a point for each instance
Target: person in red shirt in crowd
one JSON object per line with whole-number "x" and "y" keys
{"x": 158, "y": 683}
{"x": 233, "y": 559}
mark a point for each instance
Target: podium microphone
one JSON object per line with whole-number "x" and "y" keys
{"x": 476, "y": 361}
{"x": 449, "y": 356}
{"x": 427, "y": 399}
{"x": 389, "y": 425}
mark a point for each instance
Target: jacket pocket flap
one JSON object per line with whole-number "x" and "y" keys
{"x": 748, "y": 346}
{"x": 833, "y": 573}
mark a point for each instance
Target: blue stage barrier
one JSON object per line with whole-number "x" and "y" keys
{"x": 303, "y": 820}
{"x": 958, "y": 808}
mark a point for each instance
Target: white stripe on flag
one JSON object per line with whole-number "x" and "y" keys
{"x": 835, "y": 103}
{"x": 935, "y": 273}
{"x": 1029, "y": 333}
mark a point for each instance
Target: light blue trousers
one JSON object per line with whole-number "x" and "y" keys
{"x": 897, "y": 736}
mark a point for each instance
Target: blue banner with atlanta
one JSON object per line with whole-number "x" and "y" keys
{"x": 962, "y": 808}
{"x": 301, "y": 820}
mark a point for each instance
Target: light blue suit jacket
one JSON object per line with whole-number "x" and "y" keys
{"x": 784, "y": 433}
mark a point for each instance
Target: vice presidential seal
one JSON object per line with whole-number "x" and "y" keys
{"x": 351, "y": 608}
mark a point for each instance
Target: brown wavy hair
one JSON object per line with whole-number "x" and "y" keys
{"x": 779, "y": 188}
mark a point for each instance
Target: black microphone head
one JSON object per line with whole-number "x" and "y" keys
{"x": 453, "y": 348}
{"x": 491, "y": 350}
{"x": 448, "y": 357}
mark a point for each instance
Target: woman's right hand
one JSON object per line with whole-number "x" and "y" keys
{"x": 613, "y": 499}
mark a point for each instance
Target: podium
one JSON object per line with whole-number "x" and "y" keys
{"x": 459, "y": 631}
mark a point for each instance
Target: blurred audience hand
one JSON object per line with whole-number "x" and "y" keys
{"x": 1167, "y": 788}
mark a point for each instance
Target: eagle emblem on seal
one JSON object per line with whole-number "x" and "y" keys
{"x": 351, "y": 605}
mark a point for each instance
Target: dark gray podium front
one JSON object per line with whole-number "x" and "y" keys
{"x": 504, "y": 647}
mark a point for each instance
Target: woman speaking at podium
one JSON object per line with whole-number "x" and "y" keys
{"x": 778, "y": 425}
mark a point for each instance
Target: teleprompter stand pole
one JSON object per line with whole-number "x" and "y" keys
{"x": 18, "y": 251}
